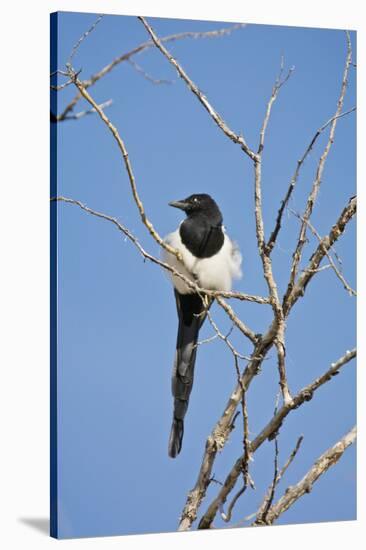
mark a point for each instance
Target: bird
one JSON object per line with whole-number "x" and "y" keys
{"x": 211, "y": 260}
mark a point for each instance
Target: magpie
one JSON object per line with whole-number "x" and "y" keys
{"x": 211, "y": 260}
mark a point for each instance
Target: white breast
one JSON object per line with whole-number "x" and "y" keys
{"x": 215, "y": 273}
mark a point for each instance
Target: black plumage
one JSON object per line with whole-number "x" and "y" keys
{"x": 191, "y": 315}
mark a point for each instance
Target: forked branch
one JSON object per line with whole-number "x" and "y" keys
{"x": 127, "y": 56}
{"x": 239, "y": 139}
{"x": 305, "y": 485}
{"x": 269, "y": 432}
{"x": 319, "y": 173}
{"x": 146, "y": 255}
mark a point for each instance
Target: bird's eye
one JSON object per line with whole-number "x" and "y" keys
{"x": 195, "y": 199}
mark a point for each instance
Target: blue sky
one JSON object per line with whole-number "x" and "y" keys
{"x": 117, "y": 318}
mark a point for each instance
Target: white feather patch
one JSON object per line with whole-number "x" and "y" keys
{"x": 215, "y": 273}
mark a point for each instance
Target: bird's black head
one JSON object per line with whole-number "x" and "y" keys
{"x": 201, "y": 204}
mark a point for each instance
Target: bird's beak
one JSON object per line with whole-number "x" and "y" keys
{"x": 182, "y": 205}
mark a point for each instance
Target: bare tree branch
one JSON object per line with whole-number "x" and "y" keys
{"x": 279, "y": 318}
{"x": 266, "y": 261}
{"x": 148, "y": 77}
{"x": 269, "y": 432}
{"x": 319, "y": 173}
{"x": 271, "y": 492}
{"x": 247, "y": 480}
{"x": 323, "y": 268}
{"x": 61, "y": 86}
{"x": 324, "y": 462}
{"x": 326, "y": 243}
{"x": 276, "y": 88}
{"x": 257, "y": 163}
{"x": 91, "y": 111}
{"x": 138, "y": 49}
{"x": 146, "y": 255}
{"x": 267, "y": 267}
{"x": 58, "y": 71}
{"x": 224, "y": 338}
{"x": 302, "y": 396}
{"x": 268, "y": 499}
{"x": 76, "y": 46}
{"x": 220, "y": 433}
{"x": 197, "y": 92}
{"x": 272, "y": 239}
{"x": 227, "y": 517}
{"x": 145, "y": 220}
{"x": 238, "y": 322}
{"x": 281, "y": 354}
{"x": 335, "y": 269}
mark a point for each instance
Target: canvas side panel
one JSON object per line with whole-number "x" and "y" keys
{"x": 53, "y": 283}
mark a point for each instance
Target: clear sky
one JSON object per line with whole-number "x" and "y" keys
{"x": 117, "y": 318}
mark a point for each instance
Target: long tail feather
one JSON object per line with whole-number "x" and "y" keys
{"x": 191, "y": 317}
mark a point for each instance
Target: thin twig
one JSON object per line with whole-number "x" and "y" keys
{"x": 225, "y": 338}
{"x": 227, "y": 516}
{"x": 269, "y": 432}
{"x": 301, "y": 397}
{"x": 334, "y": 267}
{"x": 276, "y": 88}
{"x": 206, "y": 340}
{"x": 146, "y": 255}
{"x": 137, "y": 50}
{"x": 305, "y": 485}
{"x": 272, "y": 239}
{"x": 258, "y": 211}
{"x": 238, "y": 322}
{"x": 323, "y": 268}
{"x": 148, "y": 77}
{"x": 91, "y": 111}
{"x": 247, "y": 480}
{"x": 61, "y": 86}
{"x": 271, "y": 492}
{"x": 290, "y": 459}
{"x": 58, "y": 71}
{"x": 81, "y": 39}
{"x": 326, "y": 244}
{"x": 197, "y": 92}
{"x": 268, "y": 500}
{"x": 221, "y": 432}
{"x": 145, "y": 220}
{"x": 319, "y": 173}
